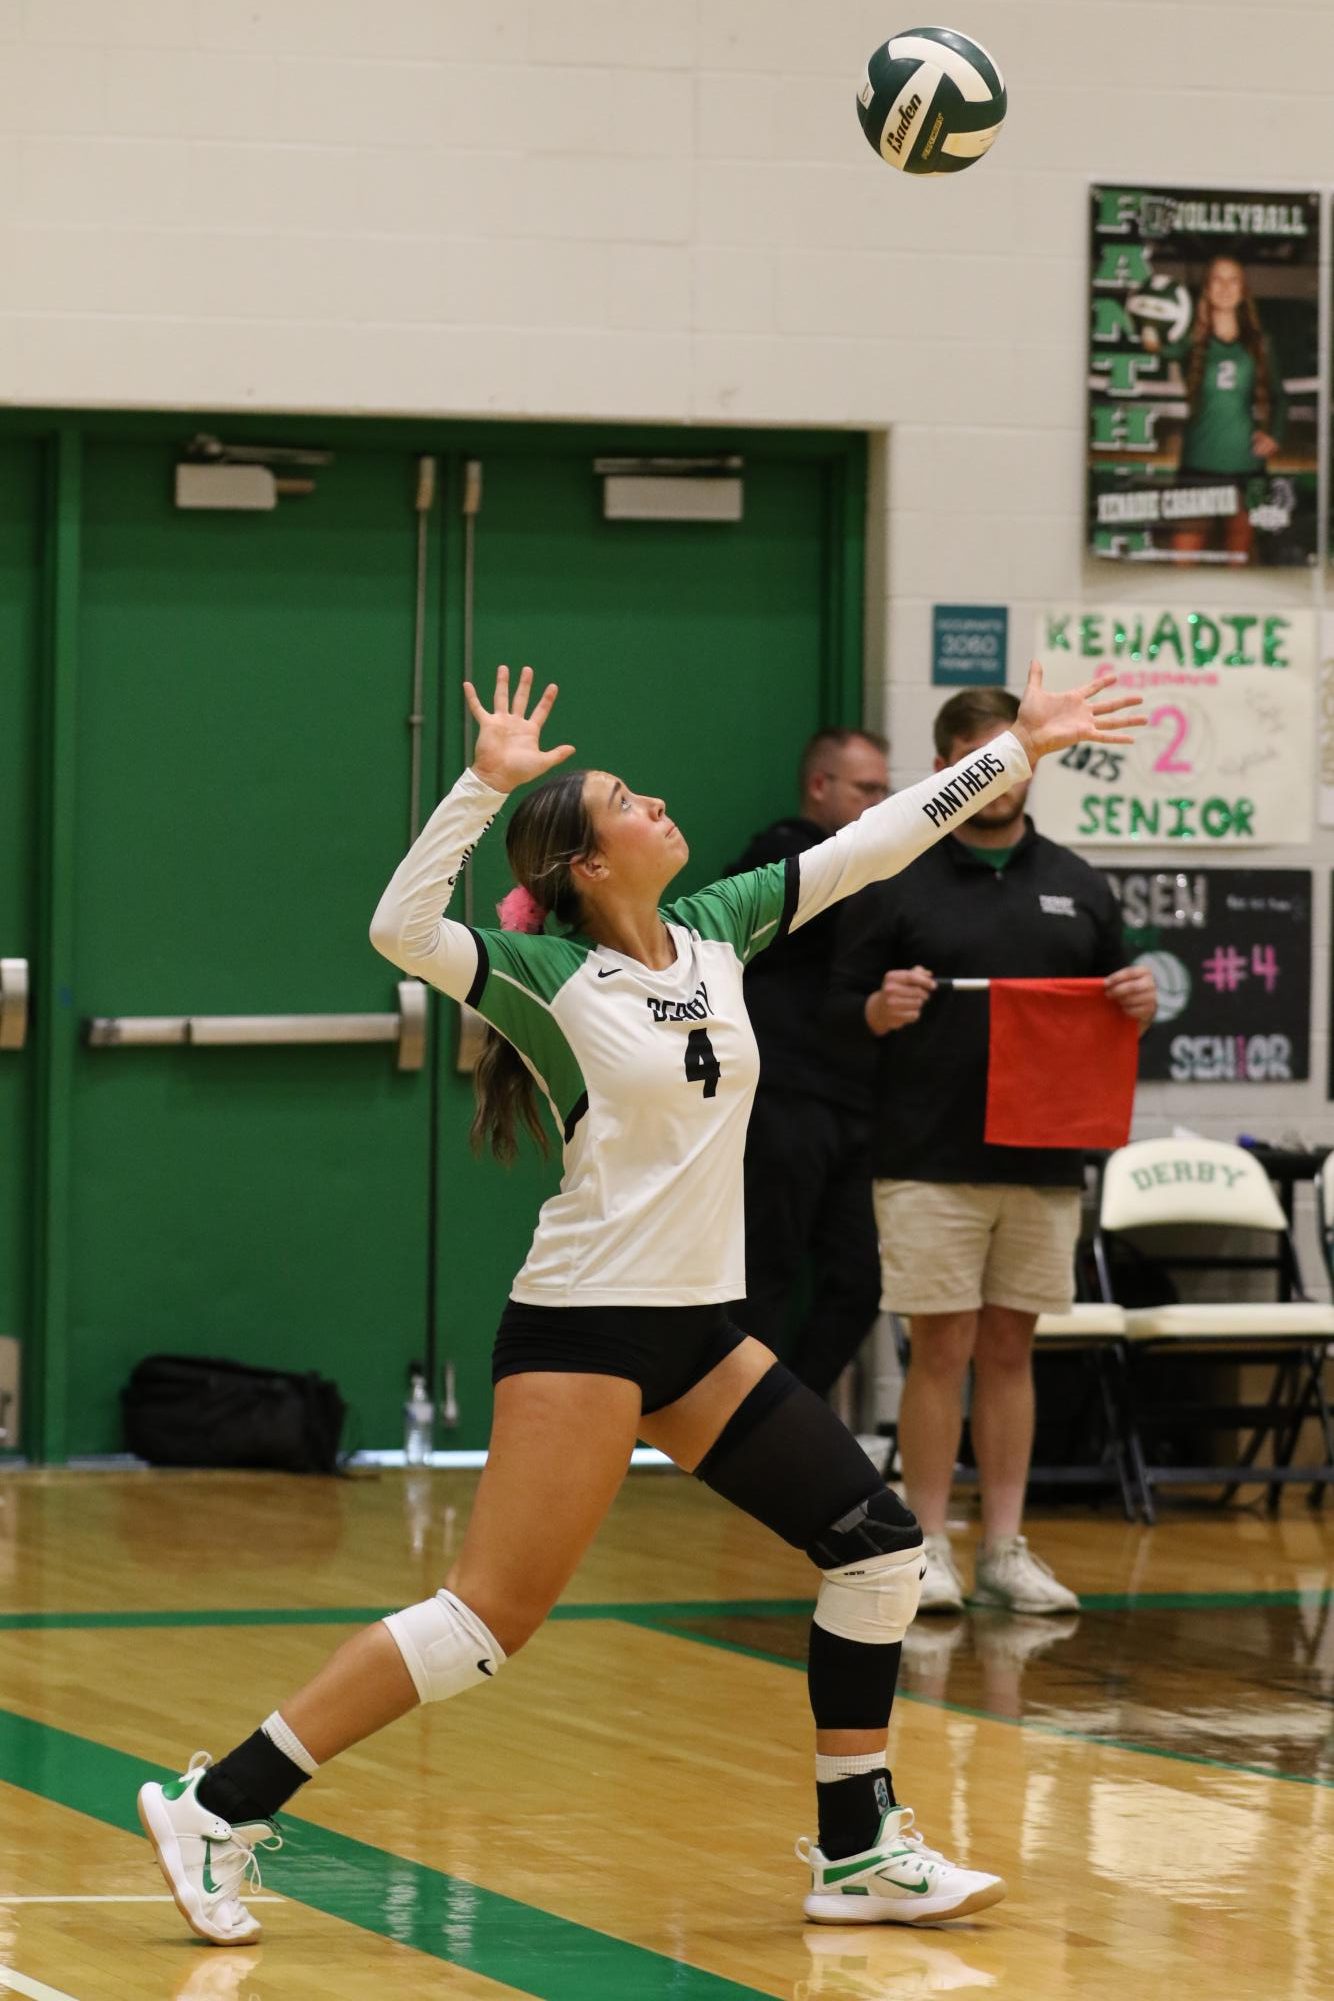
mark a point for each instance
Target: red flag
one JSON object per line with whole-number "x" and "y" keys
{"x": 1060, "y": 1066}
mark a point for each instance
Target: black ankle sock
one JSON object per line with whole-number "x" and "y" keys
{"x": 251, "y": 1782}
{"x": 851, "y": 1811}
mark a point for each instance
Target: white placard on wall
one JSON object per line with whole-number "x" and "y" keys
{"x": 1225, "y": 759}
{"x": 1325, "y": 723}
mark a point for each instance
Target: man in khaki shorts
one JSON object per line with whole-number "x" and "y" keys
{"x": 975, "y": 1240}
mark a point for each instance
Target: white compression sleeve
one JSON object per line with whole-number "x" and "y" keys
{"x": 408, "y": 927}
{"x": 889, "y": 836}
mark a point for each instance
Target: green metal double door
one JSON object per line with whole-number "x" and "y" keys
{"x": 205, "y": 765}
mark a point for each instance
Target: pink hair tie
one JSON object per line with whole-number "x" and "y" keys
{"x": 520, "y": 911}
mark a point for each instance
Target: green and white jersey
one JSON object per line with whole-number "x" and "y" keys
{"x": 1217, "y": 437}
{"x": 649, "y": 1075}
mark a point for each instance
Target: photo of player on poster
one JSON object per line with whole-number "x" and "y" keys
{"x": 1203, "y": 382}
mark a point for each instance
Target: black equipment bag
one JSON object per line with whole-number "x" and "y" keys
{"x": 185, "y": 1410}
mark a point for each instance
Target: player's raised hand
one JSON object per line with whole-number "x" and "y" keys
{"x": 509, "y": 751}
{"x": 1048, "y": 722}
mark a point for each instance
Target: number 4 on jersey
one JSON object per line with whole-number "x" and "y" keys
{"x": 702, "y": 1066}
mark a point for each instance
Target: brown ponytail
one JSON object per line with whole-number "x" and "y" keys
{"x": 550, "y": 830}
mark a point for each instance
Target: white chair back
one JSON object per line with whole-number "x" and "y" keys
{"x": 1188, "y": 1181}
{"x": 1324, "y": 1195}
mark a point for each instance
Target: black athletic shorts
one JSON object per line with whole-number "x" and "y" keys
{"x": 665, "y": 1349}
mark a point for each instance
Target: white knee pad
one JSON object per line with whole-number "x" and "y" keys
{"x": 873, "y": 1600}
{"x": 445, "y": 1647}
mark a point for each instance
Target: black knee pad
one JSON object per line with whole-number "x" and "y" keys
{"x": 786, "y": 1460}
{"x": 877, "y": 1526}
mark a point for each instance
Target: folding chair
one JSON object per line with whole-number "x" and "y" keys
{"x": 1324, "y": 1211}
{"x": 1095, "y": 1328}
{"x": 1216, "y": 1189}
{"x": 1096, "y": 1331}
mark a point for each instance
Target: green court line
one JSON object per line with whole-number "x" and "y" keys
{"x": 362, "y": 1615}
{"x": 516, "y": 1944}
{"x": 258, "y": 1615}
{"x": 650, "y": 1612}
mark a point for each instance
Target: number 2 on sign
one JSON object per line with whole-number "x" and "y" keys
{"x": 1167, "y": 759}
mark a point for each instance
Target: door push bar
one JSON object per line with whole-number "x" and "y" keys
{"x": 254, "y": 1031}
{"x": 13, "y": 1003}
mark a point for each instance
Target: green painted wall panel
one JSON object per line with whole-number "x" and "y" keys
{"x": 241, "y": 798}
{"x": 20, "y": 633}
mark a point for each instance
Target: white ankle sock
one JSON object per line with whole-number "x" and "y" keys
{"x": 828, "y": 1769}
{"x": 289, "y": 1743}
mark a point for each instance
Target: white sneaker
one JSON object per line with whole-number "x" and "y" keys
{"x": 1009, "y": 1575}
{"x": 204, "y": 1858}
{"x": 899, "y": 1881}
{"x": 942, "y": 1586}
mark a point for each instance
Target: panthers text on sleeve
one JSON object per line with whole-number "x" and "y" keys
{"x": 649, "y": 1075}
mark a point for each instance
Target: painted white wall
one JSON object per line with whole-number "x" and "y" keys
{"x": 656, "y": 209}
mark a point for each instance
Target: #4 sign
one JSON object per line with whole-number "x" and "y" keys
{"x": 1225, "y": 757}
{"x": 1230, "y": 954}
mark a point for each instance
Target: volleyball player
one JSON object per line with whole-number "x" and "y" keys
{"x": 1235, "y": 402}
{"x": 627, "y": 1019}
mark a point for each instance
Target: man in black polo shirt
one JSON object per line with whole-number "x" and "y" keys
{"x": 975, "y": 1240}
{"x": 808, "y": 1172}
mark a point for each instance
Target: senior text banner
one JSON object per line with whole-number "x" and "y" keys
{"x": 1227, "y": 754}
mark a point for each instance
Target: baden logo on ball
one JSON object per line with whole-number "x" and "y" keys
{"x": 931, "y": 101}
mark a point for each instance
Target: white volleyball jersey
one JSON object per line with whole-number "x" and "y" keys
{"x": 649, "y": 1075}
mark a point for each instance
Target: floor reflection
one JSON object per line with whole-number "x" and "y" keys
{"x": 220, "y": 1976}
{"x": 1249, "y": 1685}
{"x": 884, "y": 1965}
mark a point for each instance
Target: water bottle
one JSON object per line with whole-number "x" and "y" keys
{"x": 418, "y": 1420}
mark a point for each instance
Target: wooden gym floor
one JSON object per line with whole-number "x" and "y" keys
{"x": 614, "y": 1819}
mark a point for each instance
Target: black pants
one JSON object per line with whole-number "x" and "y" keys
{"x": 808, "y": 1202}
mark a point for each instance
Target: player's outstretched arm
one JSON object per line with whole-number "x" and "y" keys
{"x": 408, "y": 927}
{"x": 889, "y": 836}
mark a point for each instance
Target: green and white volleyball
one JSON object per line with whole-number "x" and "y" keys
{"x": 1165, "y": 305}
{"x": 931, "y": 101}
{"x": 1172, "y": 980}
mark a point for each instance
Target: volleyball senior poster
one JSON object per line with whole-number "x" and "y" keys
{"x": 1226, "y": 756}
{"x": 1203, "y": 440}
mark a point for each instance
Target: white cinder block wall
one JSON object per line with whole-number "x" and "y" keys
{"x": 657, "y": 209}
